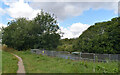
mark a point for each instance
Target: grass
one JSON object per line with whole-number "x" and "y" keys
{"x": 43, "y": 64}
{"x": 9, "y": 63}
{"x": 0, "y": 62}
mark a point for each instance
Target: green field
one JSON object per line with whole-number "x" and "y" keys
{"x": 0, "y": 61}
{"x": 43, "y": 64}
{"x": 9, "y": 63}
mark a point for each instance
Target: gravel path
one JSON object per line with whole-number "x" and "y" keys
{"x": 21, "y": 70}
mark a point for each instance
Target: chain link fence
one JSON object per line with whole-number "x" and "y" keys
{"x": 80, "y": 56}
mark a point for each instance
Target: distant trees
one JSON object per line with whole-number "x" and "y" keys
{"x": 102, "y": 37}
{"x": 66, "y": 45}
{"x": 0, "y": 34}
{"x": 0, "y": 37}
{"x": 41, "y": 32}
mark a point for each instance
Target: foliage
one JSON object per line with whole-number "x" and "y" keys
{"x": 66, "y": 45}
{"x": 40, "y": 32}
{"x": 65, "y": 48}
{"x": 102, "y": 37}
{"x": 67, "y": 41}
{"x": 0, "y": 34}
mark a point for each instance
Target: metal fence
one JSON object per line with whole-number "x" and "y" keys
{"x": 81, "y": 56}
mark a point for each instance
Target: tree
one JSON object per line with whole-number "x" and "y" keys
{"x": 40, "y": 32}
{"x": 15, "y": 34}
{"x": 46, "y": 31}
{"x": 102, "y": 37}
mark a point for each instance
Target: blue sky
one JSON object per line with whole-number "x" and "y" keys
{"x": 73, "y": 18}
{"x": 90, "y": 17}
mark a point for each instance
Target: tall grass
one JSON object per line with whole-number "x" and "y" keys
{"x": 44, "y": 64}
{"x": 9, "y": 62}
{"x": 0, "y": 62}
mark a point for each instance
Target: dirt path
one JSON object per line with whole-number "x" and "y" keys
{"x": 20, "y": 66}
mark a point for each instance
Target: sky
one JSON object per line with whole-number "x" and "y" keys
{"x": 73, "y": 16}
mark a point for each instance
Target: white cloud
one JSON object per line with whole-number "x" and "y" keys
{"x": 21, "y": 9}
{"x": 61, "y": 8}
{"x": 63, "y": 0}
{"x": 73, "y": 0}
{"x": 2, "y": 25}
{"x": 65, "y": 10}
{"x": 75, "y": 30}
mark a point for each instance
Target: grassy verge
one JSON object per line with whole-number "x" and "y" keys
{"x": 43, "y": 64}
{"x": 0, "y": 62}
{"x": 9, "y": 63}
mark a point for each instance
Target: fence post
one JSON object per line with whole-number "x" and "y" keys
{"x": 52, "y": 53}
{"x": 80, "y": 56}
{"x": 109, "y": 57}
{"x": 94, "y": 62}
{"x": 94, "y": 57}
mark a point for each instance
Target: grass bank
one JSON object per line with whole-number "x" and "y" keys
{"x": 0, "y": 62}
{"x": 43, "y": 64}
{"x": 9, "y": 63}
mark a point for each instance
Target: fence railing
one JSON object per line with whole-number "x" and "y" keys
{"x": 81, "y": 56}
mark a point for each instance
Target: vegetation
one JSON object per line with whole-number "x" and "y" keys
{"x": 0, "y": 37}
{"x": 0, "y": 34}
{"x": 100, "y": 38}
{"x": 0, "y": 61}
{"x": 9, "y": 63}
{"x": 43, "y": 64}
{"x": 35, "y": 63}
{"x": 41, "y": 32}
{"x": 66, "y": 45}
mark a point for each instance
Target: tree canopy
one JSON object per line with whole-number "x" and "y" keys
{"x": 41, "y": 32}
{"x": 102, "y": 37}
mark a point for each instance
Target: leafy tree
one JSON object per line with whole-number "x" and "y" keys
{"x": 40, "y": 32}
{"x": 102, "y": 37}
{"x": 46, "y": 31}
{"x": 66, "y": 45}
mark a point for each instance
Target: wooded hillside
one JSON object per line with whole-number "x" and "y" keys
{"x": 103, "y": 37}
